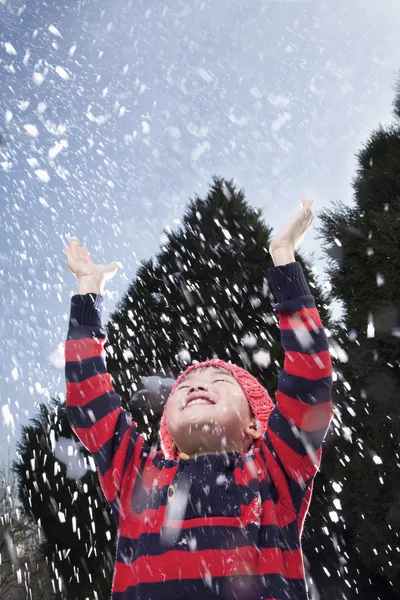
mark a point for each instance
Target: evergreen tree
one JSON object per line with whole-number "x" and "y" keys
{"x": 205, "y": 295}
{"x": 363, "y": 243}
{"x": 68, "y": 505}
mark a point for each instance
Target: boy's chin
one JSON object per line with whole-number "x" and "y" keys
{"x": 210, "y": 444}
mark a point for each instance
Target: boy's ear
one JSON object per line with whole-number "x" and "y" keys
{"x": 253, "y": 430}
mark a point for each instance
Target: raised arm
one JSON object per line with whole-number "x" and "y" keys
{"x": 300, "y": 420}
{"x": 94, "y": 409}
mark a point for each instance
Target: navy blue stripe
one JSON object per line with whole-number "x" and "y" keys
{"x": 86, "y": 416}
{"x": 87, "y": 309}
{"x": 294, "y": 305}
{"x": 284, "y": 430}
{"x": 305, "y": 341}
{"x": 241, "y": 495}
{"x": 208, "y": 538}
{"x": 160, "y": 462}
{"x": 288, "y": 281}
{"x": 239, "y": 587}
{"x": 78, "y": 371}
{"x": 298, "y": 492}
{"x": 80, "y": 332}
{"x": 307, "y": 390}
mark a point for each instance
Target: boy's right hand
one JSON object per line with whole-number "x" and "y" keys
{"x": 91, "y": 277}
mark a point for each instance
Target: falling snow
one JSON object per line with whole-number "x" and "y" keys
{"x": 32, "y": 130}
{"x": 57, "y": 148}
{"x": 38, "y": 78}
{"x": 9, "y": 48}
{"x": 111, "y": 120}
{"x": 42, "y": 175}
{"x": 62, "y": 72}
{"x": 67, "y": 451}
{"x": 8, "y": 417}
{"x": 53, "y": 29}
{"x": 262, "y": 358}
{"x": 205, "y": 75}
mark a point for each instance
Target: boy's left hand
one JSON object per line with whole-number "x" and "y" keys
{"x": 293, "y": 233}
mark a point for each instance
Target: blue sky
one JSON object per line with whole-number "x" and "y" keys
{"x": 117, "y": 112}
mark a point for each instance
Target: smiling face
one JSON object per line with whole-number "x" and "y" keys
{"x": 209, "y": 412}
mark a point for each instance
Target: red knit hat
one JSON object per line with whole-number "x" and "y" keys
{"x": 257, "y": 396}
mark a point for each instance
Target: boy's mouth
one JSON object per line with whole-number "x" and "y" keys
{"x": 198, "y": 399}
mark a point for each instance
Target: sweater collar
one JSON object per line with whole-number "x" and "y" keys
{"x": 228, "y": 459}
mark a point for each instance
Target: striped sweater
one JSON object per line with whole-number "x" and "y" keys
{"x": 215, "y": 526}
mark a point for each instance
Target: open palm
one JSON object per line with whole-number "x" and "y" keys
{"x": 293, "y": 233}
{"x": 80, "y": 263}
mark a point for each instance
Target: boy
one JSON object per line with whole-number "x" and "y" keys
{"x": 219, "y": 512}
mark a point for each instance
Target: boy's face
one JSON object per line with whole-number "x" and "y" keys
{"x": 209, "y": 412}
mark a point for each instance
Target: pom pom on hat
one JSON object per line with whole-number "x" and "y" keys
{"x": 257, "y": 396}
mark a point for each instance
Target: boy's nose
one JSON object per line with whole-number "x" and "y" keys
{"x": 202, "y": 387}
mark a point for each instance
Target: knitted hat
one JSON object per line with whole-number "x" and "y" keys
{"x": 257, "y": 396}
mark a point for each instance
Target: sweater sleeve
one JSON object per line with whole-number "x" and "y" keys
{"x": 300, "y": 420}
{"x": 94, "y": 409}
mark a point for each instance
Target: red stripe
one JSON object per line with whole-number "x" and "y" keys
{"x": 304, "y": 416}
{"x": 156, "y": 478}
{"x": 271, "y": 516}
{"x": 268, "y": 513}
{"x": 153, "y": 520}
{"x": 181, "y": 564}
{"x": 299, "y": 468}
{"x": 252, "y": 469}
{"x": 243, "y": 475}
{"x": 94, "y": 438}
{"x": 76, "y": 350}
{"x": 83, "y": 392}
{"x": 287, "y": 513}
{"x": 249, "y": 513}
{"x": 308, "y": 366}
{"x": 306, "y": 318}
{"x": 111, "y": 481}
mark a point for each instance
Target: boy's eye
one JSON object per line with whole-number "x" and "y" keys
{"x": 182, "y": 387}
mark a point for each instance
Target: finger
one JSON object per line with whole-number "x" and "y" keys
{"x": 308, "y": 207}
{"x": 73, "y": 248}
{"x": 86, "y": 254}
{"x": 113, "y": 266}
{"x": 111, "y": 270}
{"x": 81, "y": 253}
{"x": 310, "y": 221}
